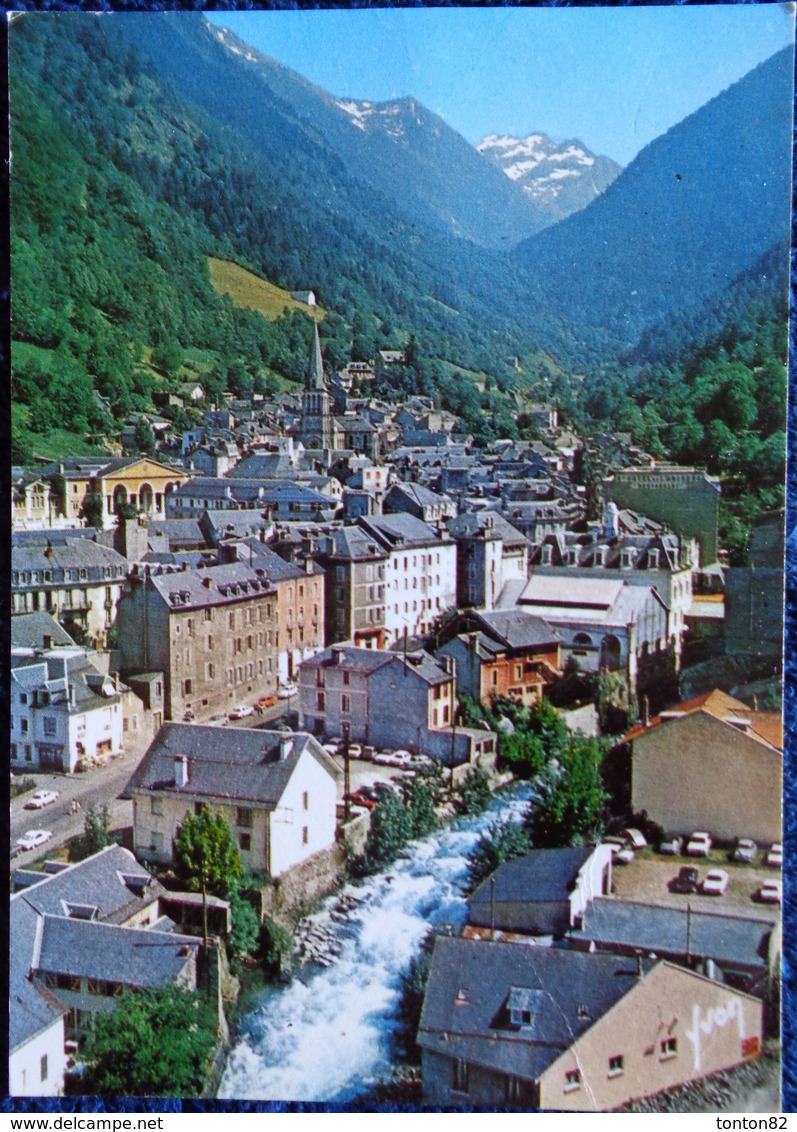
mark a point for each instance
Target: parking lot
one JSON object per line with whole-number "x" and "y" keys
{"x": 648, "y": 876}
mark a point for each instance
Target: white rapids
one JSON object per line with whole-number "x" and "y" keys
{"x": 327, "y": 1036}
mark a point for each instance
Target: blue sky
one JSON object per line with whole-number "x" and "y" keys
{"x": 615, "y": 78}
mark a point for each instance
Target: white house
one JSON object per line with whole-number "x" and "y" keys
{"x": 276, "y": 791}
{"x": 421, "y": 574}
{"x": 62, "y": 710}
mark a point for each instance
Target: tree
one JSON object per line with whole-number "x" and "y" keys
{"x": 571, "y": 797}
{"x": 503, "y": 841}
{"x": 389, "y": 832}
{"x": 96, "y": 830}
{"x": 205, "y": 854}
{"x": 475, "y": 792}
{"x": 91, "y": 509}
{"x": 157, "y": 1042}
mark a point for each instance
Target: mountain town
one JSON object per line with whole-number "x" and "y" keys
{"x": 385, "y": 684}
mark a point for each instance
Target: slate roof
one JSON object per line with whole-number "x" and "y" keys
{"x": 135, "y": 957}
{"x": 74, "y": 554}
{"x": 517, "y": 629}
{"x": 352, "y": 543}
{"x": 178, "y": 532}
{"x": 31, "y": 1009}
{"x": 723, "y": 938}
{"x": 470, "y": 523}
{"x": 416, "y": 493}
{"x": 225, "y": 765}
{"x": 466, "y": 1009}
{"x": 542, "y": 875}
{"x": 111, "y": 880}
{"x": 215, "y": 585}
{"x": 399, "y": 531}
{"x": 28, "y": 631}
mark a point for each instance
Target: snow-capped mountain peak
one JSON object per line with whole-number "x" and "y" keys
{"x": 562, "y": 177}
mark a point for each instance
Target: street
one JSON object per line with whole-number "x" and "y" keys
{"x": 99, "y": 786}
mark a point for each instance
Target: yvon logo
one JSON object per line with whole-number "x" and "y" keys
{"x": 706, "y": 1021}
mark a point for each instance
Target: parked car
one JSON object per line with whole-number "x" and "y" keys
{"x": 771, "y": 892}
{"x": 355, "y": 751}
{"x": 699, "y": 845}
{"x": 623, "y": 856}
{"x": 403, "y": 759}
{"x": 331, "y": 748}
{"x": 357, "y": 798}
{"x": 775, "y": 856}
{"x": 188, "y": 716}
{"x": 32, "y": 838}
{"x": 634, "y": 838}
{"x": 672, "y": 846}
{"x": 219, "y": 720}
{"x": 714, "y": 883}
{"x": 265, "y": 702}
{"x": 41, "y": 799}
{"x": 745, "y": 850}
{"x": 241, "y": 712}
{"x": 15, "y": 851}
{"x": 287, "y": 691}
{"x": 686, "y": 881}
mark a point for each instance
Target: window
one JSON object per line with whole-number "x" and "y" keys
{"x": 43, "y": 1065}
{"x": 305, "y": 801}
{"x": 518, "y": 671}
{"x": 156, "y": 805}
{"x": 514, "y": 1090}
{"x": 319, "y": 677}
{"x": 572, "y": 1080}
{"x": 187, "y": 687}
{"x": 320, "y": 701}
{"x": 305, "y": 835}
{"x": 616, "y": 1065}
{"x": 243, "y": 817}
{"x": 347, "y": 678}
{"x": 23, "y": 723}
{"x": 156, "y": 842}
{"x": 668, "y": 1048}
{"x": 345, "y": 704}
{"x": 211, "y": 672}
{"x": 23, "y": 697}
{"x": 245, "y": 842}
{"x": 461, "y": 1082}
{"x": 208, "y": 615}
{"x": 49, "y": 725}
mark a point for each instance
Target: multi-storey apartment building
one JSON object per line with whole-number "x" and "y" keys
{"x": 76, "y": 580}
{"x": 420, "y": 575}
{"x": 212, "y": 632}
{"x": 356, "y": 574}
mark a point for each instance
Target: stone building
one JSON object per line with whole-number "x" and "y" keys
{"x": 212, "y": 633}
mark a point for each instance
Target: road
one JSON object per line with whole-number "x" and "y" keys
{"x": 99, "y": 787}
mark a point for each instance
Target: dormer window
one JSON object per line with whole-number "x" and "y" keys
{"x": 523, "y": 1005}
{"x": 82, "y": 911}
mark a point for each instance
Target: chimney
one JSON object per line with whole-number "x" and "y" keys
{"x": 286, "y": 747}
{"x": 337, "y": 655}
{"x": 207, "y": 582}
{"x": 645, "y": 712}
{"x": 180, "y": 771}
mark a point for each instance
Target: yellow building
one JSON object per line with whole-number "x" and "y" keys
{"x": 137, "y": 481}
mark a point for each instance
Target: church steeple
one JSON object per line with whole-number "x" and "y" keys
{"x": 316, "y": 428}
{"x": 314, "y": 378}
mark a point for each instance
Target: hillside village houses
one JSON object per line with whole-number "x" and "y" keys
{"x": 354, "y": 567}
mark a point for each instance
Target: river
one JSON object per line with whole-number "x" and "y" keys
{"x": 327, "y": 1036}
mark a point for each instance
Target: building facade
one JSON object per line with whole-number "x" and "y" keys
{"x": 211, "y": 632}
